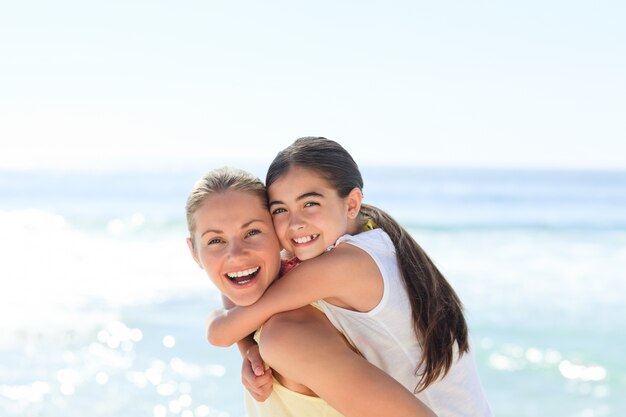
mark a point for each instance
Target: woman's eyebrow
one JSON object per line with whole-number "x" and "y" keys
{"x": 243, "y": 226}
{"x": 211, "y": 231}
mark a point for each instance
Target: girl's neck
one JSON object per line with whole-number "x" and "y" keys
{"x": 354, "y": 226}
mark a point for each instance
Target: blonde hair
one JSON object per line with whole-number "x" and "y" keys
{"x": 217, "y": 181}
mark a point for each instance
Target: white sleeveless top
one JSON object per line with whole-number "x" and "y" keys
{"x": 385, "y": 337}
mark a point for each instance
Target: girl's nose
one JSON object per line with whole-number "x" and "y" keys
{"x": 296, "y": 222}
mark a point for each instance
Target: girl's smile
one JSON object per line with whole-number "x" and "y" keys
{"x": 308, "y": 213}
{"x": 305, "y": 239}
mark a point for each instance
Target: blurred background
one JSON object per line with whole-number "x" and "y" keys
{"x": 494, "y": 132}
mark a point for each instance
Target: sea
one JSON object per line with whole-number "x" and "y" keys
{"x": 102, "y": 309}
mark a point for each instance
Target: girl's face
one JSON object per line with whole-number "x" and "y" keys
{"x": 235, "y": 243}
{"x": 309, "y": 216}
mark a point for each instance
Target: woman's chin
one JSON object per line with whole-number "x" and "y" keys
{"x": 246, "y": 293}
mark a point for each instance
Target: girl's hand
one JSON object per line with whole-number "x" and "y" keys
{"x": 257, "y": 381}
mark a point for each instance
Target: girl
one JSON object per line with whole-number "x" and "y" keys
{"x": 232, "y": 238}
{"x": 378, "y": 287}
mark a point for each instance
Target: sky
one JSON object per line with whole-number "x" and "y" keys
{"x": 162, "y": 84}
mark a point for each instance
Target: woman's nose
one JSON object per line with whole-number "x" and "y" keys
{"x": 236, "y": 249}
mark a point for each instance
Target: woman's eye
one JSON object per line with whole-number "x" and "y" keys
{"x": 311, "y": 204}
{"x": 278, "y": 211}
{"x": 214, "y": 241}
{"x": 253, "y": 232}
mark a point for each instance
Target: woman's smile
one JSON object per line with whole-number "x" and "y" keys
{"x": 236, "y": 244}
{"x": 243, "y": 277}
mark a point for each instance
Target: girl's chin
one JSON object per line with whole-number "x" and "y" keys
{"x": 305, "y": 255}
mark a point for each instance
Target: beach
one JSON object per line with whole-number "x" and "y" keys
{"x": 103, "y": 308}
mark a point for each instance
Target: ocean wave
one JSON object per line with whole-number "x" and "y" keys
{"x": 55, "y": 275}
{"x": 495, "y": 226}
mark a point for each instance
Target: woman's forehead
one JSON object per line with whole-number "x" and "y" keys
{"x": 232, "y": 208}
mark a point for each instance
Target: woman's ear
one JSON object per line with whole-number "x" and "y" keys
{"x": 193, "y": 252}
{"x": 354, "y": 199}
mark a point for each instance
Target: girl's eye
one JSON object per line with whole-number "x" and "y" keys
{"x": 311, "y": 204}
{"x": 278, "y": 211}
{"x": 253, "y": 232}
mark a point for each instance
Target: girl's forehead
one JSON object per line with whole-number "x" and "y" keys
{"x": 300, "y": 175}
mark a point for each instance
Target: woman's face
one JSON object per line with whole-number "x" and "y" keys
{"x": 235, "y": 243}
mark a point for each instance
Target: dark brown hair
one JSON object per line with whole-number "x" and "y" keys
{"x": 437, "y": 311}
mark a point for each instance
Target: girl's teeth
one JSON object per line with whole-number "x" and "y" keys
{"x": 305, "y": 239}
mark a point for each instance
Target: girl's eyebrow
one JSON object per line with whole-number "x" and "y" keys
{"x": 300, "y": 197}
{"x": 309, "y": 194}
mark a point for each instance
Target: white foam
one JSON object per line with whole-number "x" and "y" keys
{"x": 54, "y": 276}
{"x": 574, "y": 371}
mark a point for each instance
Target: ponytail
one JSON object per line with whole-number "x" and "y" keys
{"x": 436, "y": 309}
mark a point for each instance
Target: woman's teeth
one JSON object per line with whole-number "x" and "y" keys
{"x": 243, "y": 277}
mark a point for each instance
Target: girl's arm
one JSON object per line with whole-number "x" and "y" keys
{"x": 245, "y": 344}
{"x": 304, "y": 346}
{"x": 346, "y": 276}
{"x": 254, "y": 377}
